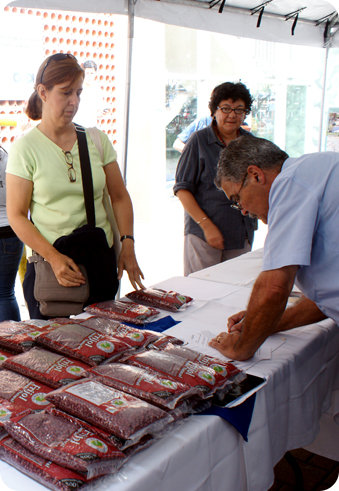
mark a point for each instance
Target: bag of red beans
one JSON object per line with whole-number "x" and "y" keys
{"x": 46, "y": 366}
{"x": 123, "y": 311}
{"x": 163, "y": 341}
{"x": 116, "y": 412}
{"x": 134, "y": 337}
{"x": 44, "y": 471}
{"x": 22, "y": 391}
{"x": 222, "y": 368}
{"x": 82, "y": 343}
{"x": 17, "y": 336}
{"x": 65, "y": 442}
{"x": 4, "y": 355}
{"x": 7, "y": 409}
{"x": 149, "y": 385}
{"x": 107, "y": 436}
{"x": 203, "y": 378}
{"x": 161, "y": 299}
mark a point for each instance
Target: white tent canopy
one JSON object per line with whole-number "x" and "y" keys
{"x": 301, "y": 22}
{"x": 308, "y": 19}
{"x": 240, "y": 21}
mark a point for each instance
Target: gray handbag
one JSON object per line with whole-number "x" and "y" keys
{"x": 54, "y": 299}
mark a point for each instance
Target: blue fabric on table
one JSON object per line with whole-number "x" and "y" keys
{"x": 159, "y": 326}
{"x": 239, "y": 416}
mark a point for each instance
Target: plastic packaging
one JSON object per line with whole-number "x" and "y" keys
{"x": 151, "y": 386}
{"x": 203, "y": 378}
{"x": 82, "y": 343}
{"x": 124, "y": 415}
{"x": 45, "y": 324}
{"x": 23, "y": 392}
{"x": 163, "y": 341}
{"x": 123, "y": 311}
{"x": 51, "y": 475}
{"x": 4, "y": 355}
{"x": 65, "y": 442}
{"x": 161, "y": 299}
{"x": 7, "y": 409}
{"x": 119, "y": 443}
{"x": 222, "y": 368}
{"x": 17, "y": 336}
{"x": 135, "y": 338}
{"x": 51, "y": 368}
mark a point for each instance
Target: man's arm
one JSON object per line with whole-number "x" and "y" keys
{"x": 178, "y": 145}
{"x": 184, "y": 136}
{"x": 264, "y": 313}
{"x": 303, "y": 312}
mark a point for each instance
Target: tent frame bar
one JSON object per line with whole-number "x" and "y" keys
{"x": 230, "y": 8}
{"x": 322, "y": 107}
{"x": 131, "y": 17}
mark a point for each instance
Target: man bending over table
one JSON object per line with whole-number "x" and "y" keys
{"x": 299, "y": 200}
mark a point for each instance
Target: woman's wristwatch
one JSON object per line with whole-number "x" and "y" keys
{"x": 123, "y": 237}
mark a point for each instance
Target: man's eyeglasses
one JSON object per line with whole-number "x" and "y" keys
{"x": 56, "y": 57}
{"x": 71, "y": 171}
{"x": 235, "y": 202}
{"x": 237, "y": 110}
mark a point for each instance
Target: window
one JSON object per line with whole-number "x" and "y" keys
{"x": 174, "y": 72}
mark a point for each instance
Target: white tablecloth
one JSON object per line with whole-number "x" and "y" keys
{"x": 206, "y": 453}
{"x": 242, "y": 270}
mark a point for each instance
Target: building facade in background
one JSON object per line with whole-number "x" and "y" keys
{"x": 27, "y": 36}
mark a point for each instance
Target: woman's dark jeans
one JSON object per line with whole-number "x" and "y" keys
{"x": 10, "y": 255}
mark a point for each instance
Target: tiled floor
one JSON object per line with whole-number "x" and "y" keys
{"x": 318, "y": 473}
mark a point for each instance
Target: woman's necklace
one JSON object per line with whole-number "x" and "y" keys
{"x": 225, "y": 142}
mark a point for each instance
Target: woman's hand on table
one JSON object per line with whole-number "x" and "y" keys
{"x": 127, "y": 261}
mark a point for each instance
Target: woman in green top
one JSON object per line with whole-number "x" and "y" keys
{"x": 44, "y": 178}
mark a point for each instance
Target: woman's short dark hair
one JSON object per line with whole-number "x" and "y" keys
{"x": 244, "y": 151}
{"x": 52, "y": 72}
{"x": 230, "y": 90}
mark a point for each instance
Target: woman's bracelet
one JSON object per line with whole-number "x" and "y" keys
{"x": 123, "y": 237}
{"x": 201, "y": 220}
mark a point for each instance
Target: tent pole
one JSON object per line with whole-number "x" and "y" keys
{"x": 323, "y": 100}
{"x": 131, "y": 4}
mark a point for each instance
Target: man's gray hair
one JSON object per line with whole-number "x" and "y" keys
{"x": 244, "y": 151}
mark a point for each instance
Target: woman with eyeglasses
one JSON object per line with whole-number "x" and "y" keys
{"x": 214, "y": 230}
{"x": 45, "y": 197}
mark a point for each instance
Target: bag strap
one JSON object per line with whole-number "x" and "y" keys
{"x": 95, "y": 136}
{"x": 86, "y": 174}
{"x": 35, "y": 258}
